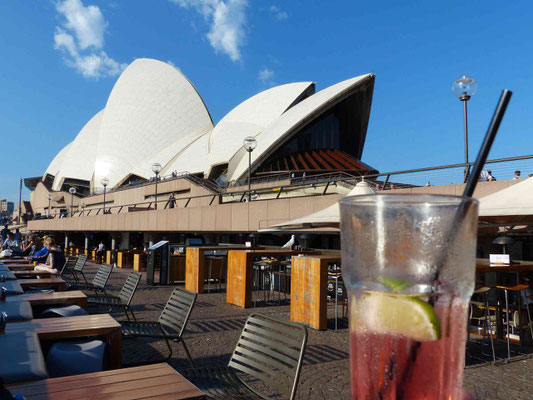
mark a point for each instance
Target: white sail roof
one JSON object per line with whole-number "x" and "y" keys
{"x": 291, "y": 120}
{"x": 56, "y": 163}
{"x": 151, "y": 106}
{"x": 250, "y": 118}
{"x": 78, "y": 161}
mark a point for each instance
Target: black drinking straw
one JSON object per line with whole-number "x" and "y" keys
{"x": 462, "y": 210}
{"x": 476, "y": 171}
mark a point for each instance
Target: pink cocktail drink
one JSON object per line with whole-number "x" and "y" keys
{"x": 394, "y": 366}
{"x": 408, "y": 303}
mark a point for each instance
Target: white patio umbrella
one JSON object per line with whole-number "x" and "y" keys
{"x": 329, "y": 217}
{"x": 511, "y": 205}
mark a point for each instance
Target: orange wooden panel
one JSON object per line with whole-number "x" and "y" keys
{"x": 108, "y": 257}
{"x": 120, "y": 259}
{"x": 239, "y": 285}
{"x": 194, "y": 269}
{"x": 309, "y": 280}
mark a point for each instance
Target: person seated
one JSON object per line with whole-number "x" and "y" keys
{"x": 35, "y": 244}
{"x": 41, "y": 255}
{"x": 10, "y": 242}
{"x": 55, "y": 261}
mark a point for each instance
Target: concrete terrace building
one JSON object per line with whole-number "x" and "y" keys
{"x": 155, "y": 115}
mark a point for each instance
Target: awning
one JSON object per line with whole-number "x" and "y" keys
{"x": 512, "y": 205}
{"x": 329, "y": 217}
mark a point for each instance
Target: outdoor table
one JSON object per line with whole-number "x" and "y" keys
{"x": 517, "y": 267}
{"x": 75, "y": 327}
{"x": 240, "y": 268}
{"x": 13, "y": 287}
{"x": 33, "y": 274}
{"x": 76, "y": 297}
{"x": 16, "y": 310}
{"x": 8, "y": 261}
{"x": 20, "y": 267}
{"x": 309, "y": 289}
{"x": 58, "y": 284}
{"x": 22, "y": 357}
{"x": 156, "y": 381}
{"x": 195, "y": 260}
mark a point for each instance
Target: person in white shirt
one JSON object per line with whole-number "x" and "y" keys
{"x": 516, "y": 175}
{"x": 100, "y": 253}
{"x": 10, "y": 242}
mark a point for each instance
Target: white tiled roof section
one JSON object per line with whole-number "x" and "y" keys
{"x": 192, "y": 159}
{"x": 151, "y": 107}
{"x": 250, "y": 118}
{"x": 78, "y": 162}
{"x": 285, "y": 124}
{"x": 56, "y": 163}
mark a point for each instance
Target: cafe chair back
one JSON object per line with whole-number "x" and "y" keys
{"x": 269, "y": 350}
{"x": 171, "y": 324}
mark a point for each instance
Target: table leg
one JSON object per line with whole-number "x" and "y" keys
{"x": 114, "y": 343}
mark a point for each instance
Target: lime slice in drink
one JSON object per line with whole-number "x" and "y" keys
{"x": 402, "y": 315}
{"x": 395, "y": 284}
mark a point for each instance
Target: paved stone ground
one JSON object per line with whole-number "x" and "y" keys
{"x": 214, "y": 329}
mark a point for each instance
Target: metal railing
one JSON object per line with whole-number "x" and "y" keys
{"x": 445, "y": 174}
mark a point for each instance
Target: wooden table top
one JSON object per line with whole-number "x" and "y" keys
{"x": 156, "y": 381}
{"x": 42, "y": 274}
{"x": 483, "y": 265}
{"x": 23, "y": 267}
{"x": 14, "y": 261}
{"x": 64, "y": 327}
{"x": 73, "y": 296}
{"x": 211, "y": 248}
{"x": 278, "y": 252}
{"x": 41, "y": 282}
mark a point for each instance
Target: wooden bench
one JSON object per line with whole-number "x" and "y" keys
{"x": 156, "y": 381}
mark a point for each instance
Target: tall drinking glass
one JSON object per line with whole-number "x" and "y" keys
{"x": 408, "y": 263}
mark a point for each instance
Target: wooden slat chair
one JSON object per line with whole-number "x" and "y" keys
{"x": 171, "y": 323}
{"x": 99, "y": 281}
{"x": 77, "y": 271}
{"x": 123, "y": 300}
{"x": 269, "y": 350}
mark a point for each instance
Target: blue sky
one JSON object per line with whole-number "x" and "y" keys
{"x": 60, "y": 60}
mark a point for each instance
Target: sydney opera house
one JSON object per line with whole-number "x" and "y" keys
{"x": 154, "y": 114}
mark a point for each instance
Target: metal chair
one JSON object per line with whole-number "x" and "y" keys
{"x": 171, "y": 323}
{"x": 99, "y": 281}
{"x": 78, "y": 268}
{"x": 123, "y": 300}
{"x": 517, "y": 319}
{"x": 269, "y": 350}
{"x": 480, "y": 312}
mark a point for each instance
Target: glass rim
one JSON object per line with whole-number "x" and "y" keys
{"x": 404, "y": 198}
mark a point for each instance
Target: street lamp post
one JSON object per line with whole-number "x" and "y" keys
{"x": 49, "y": 201}
{"x": 20, "y": 199}
{"x": 249, "y": 145}
{"x": 72, "y": 191}
{"x": 464, "y": 88}
{"x": 156, "y": 167}
{"x": 104, "y": 183}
